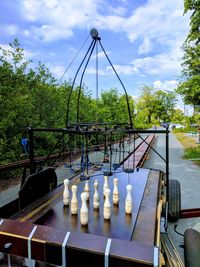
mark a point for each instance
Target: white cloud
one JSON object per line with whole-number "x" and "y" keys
{"x": 120, "y": 11}
{"x": 48, "y": 33}
{"x": 120, "y": 69}
{"x": 168, "y": 85}
{"x": 56, "y": 19}
{"x": 101, "y": 54}
{"x": 158, "y": 20}
{"x": 102, "y": 72}
{"x": 161, "y": 64}
{"x": 146, "y": 46}
{"x": 114, "y": 23}
{"x": 125, "y": 69}
{"x": 56, "y": 70}
{"x": 158, "y": 24}
{"x": 11, "y": 29}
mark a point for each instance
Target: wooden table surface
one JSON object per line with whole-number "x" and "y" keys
{"x": 120, "y": 225}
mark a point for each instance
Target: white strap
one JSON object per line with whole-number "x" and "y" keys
{"x": 1, "y": 221}
{"x": 156, "y": 257}
{"x": 107, "y": 251}
{"x": 64, "y": 249}
{"x": 29, "y": 241}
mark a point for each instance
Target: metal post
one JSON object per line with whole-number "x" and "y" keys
{"x": 31, "y": 153}
{"x": 9, "y": 261}
{"x": 167, "y": 163}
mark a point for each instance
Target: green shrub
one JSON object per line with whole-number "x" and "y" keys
{"x": 192, "y": 153}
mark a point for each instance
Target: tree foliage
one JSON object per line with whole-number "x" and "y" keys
{"x": 189, "y": 87}
{"x": 154, "y": 107}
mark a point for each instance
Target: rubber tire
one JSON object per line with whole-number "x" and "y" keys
{"x": 192, "y": 248}
{"x": 174, "y": 201}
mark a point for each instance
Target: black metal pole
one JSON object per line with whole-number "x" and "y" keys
{"x": 31, "y": 151}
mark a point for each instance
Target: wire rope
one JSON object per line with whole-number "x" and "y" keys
{"x": 81, "y": 81}
{"x": 72, "y": 87}
{"x": 73, "y": 60}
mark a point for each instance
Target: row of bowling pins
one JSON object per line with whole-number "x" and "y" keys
{"x": 96, "y": 201}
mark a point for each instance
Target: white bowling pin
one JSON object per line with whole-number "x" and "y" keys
{"x": 128, "y": 202}
{"x": 84, "y": 209}
{"x": 107, "y": 205}
{"x": 96, "y": 195}
{"x": 115, "y": 192}
{"x": 74, "y": 200}
{"x": 105, "y": 186}
{"x": 66, "y": 192}
{"x": 87, "y": 189}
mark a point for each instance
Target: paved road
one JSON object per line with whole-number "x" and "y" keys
{"x": 183, "y": 170}
{"x": 189, "y": 176}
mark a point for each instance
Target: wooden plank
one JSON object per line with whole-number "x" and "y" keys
{"x": 84, "y": 250}
{"x": 140, "y": 254}
{"x": 17, "y": 234}
{"x": 146, "y": 223}
{"x": 59, "y": 216}
{"x": 81, "y": 249}
{"x": 136, "y": 159}
{"x": 46, "y": 244}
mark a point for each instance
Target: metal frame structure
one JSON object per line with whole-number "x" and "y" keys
{"x": 95, "y": 41}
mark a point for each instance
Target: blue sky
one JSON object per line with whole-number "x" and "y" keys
{"x": 143, "y": 38}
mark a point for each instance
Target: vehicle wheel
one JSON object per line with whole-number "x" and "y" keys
{"x": 174, "y": 201}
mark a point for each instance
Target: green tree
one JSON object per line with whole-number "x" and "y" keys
{"x": 164, "y": 105}
{"x": 147, "y": 103}
{"x": 28, "y": 97}
{"x": 112, "y": 107}
{"x": 189, "y": 87}
{"x": 178, "y": 116}
{"x": 154, "y": 106}
{"x": 14, "y": 100}
{"x": 123, "y": 115}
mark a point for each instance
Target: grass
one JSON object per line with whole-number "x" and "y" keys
{"x": 192, "y": 149}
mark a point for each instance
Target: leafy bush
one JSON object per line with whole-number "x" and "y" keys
{"x": 192, "y": 153}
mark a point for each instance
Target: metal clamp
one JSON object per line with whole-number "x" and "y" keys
{"x": 30, "y": 262}
{"x": 64, "y": 249}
